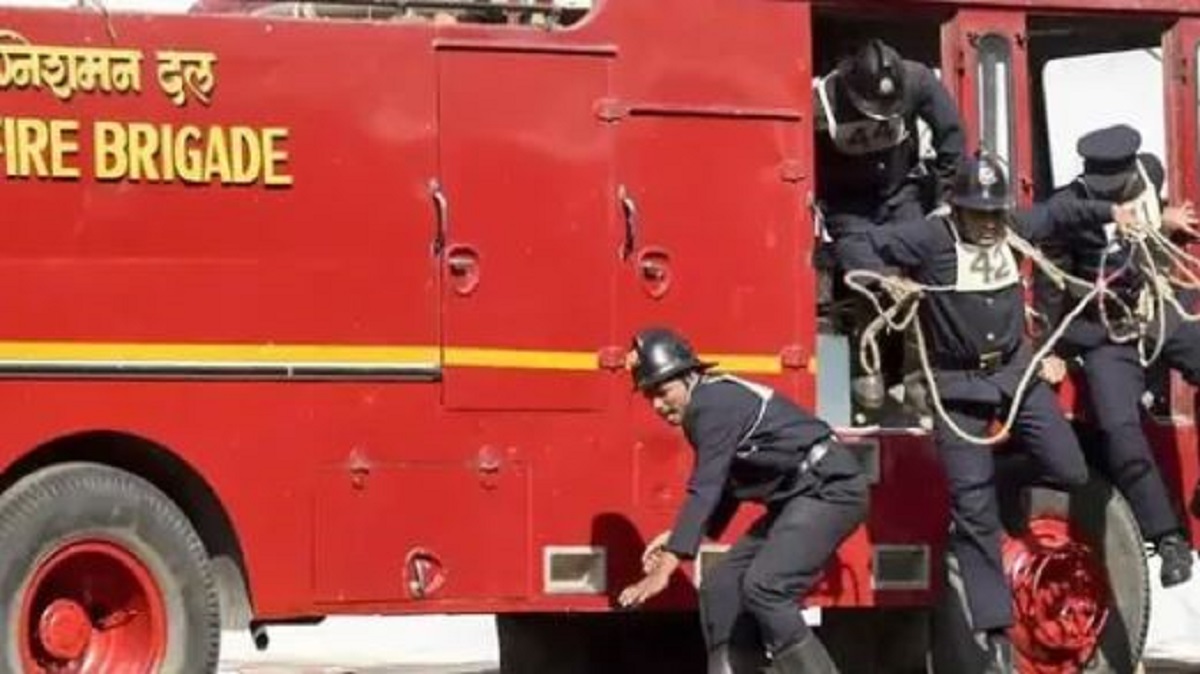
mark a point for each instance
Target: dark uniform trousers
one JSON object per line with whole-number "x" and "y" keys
{"x": 1115, "y": 383}
{"x": 980, "y": 358}
{"x": 754, "y": 445}
{"x": 850, "y": 224}
{"x": 850, "y": 227}
{"x": 1043, "y": 431}
{"x": 752, "y": 593}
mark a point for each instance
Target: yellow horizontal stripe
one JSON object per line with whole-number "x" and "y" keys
{"x": 216, "y": 354}
{"x": 529, "y": 360}
{"x": 745, "y": 363}
{"x": 135, "y": 352}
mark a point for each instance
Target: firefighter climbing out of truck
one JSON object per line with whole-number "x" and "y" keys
{"x": 1113, "y": 169}
{"x": 972, "y": 314}
{"x": 869, "y": 159}
{"x": 751, "y": 444}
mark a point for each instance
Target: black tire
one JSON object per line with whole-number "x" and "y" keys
{"x": 1104, "y": 517}
{"x": 76, "y": 501}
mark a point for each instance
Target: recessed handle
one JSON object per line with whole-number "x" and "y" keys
{"x": 655, "y": 271}
{"x": 462, "y": 263}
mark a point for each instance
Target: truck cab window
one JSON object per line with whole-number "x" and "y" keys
{"x": 995, "y": 98}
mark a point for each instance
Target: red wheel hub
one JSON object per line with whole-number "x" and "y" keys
{"x": 92, "y": 607}
{"x": 65, "y": 629}
{"x": 1060, "y": 597}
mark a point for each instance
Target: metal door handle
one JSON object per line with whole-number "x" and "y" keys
{"x": 630, "y": 211}
{"x": 442, "y": 211}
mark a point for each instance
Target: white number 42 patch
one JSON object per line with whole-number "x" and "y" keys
{"x": 984, "y": 268}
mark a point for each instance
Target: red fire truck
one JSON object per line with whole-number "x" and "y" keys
{"x": 314, "y": 309}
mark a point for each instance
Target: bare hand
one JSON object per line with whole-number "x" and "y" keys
{"x": 653, "y": 551}
{"x": 1181, "y": 220}
{"x": 1053, "y": 370}
{"x": 653, "y": 584}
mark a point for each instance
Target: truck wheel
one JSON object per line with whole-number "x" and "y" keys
{"x": 103, "y": 573}
{"x": 1081, "y": 589}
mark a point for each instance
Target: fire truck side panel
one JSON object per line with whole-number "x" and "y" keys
{"x": 526, "y": 162}
{"x": 341, "y": 256}
{"x": 332, "y": 274}
{"x": 696, "y": 52}
{"x": 257, "y": 445}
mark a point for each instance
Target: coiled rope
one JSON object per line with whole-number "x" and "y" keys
{"x": 1160, "y": 287}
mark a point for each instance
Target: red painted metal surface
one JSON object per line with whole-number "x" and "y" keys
{"x": 530, "y": 187}
{"x": 961, "y": 39}
{"x": 1180, "y": 70}
{"x": 1061, "y": 599}
{"x": 1175, "y": 449}
{"x": 1177, "y": 443}
{"x": 92, "y": 607}
{"x": 653, "y": 164}
{"x": 1167, "y": 7}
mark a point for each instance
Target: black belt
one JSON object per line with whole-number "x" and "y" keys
{"x": 990, "y": 361}
{"x": 815, "y": 454}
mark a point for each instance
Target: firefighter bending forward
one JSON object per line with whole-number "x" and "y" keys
{"x": 872, "y": 175}
{"x": 751, "y": 444}
{"x": 975, "y": 328}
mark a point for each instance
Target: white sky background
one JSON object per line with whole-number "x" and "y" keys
{"x": 1088, "y": 92}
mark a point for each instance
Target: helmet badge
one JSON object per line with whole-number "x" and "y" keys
{"x": 987, "y": 175}
{"x": 887, "y": 86}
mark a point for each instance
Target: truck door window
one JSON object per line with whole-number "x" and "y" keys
{"x": 1076, "y": 105}
{"x": 995, "y": 98}
{"x": 1089, "y": 72}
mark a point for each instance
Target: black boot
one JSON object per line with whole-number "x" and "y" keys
{"x": 718, "y": 661}
{"x": 999, "y": 653}
{"x": 1176, "y": 554}
{"x": 806, "y": 656}
{"x": 726, "y": 660}
{"x": 869, "y": 391}
{"x": 748, "y": 660}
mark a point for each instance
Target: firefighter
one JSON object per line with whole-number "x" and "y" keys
{"x": 1114, "y": 170}
{"x": 973, "y": 320}
{"x": 751, "y": 444}
{"x": 869, "y": 158}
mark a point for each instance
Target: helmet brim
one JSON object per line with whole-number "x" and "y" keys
{"x": 1107, "y": 184}
{"x": 981, "y": 204}
{"x": 674, "y": 373}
